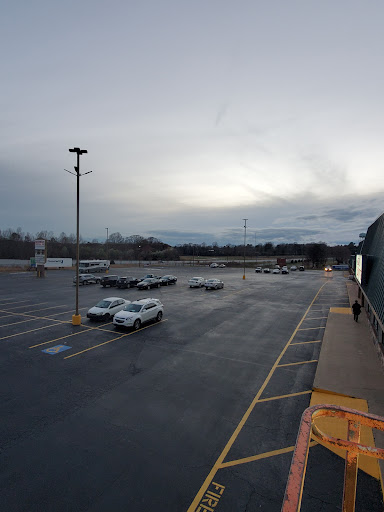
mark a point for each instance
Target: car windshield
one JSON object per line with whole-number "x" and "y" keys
{"x": 133, "y": 308}
{"x": 103, "y": 304}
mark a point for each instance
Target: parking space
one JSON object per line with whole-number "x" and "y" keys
{"x": 157, "y": 417}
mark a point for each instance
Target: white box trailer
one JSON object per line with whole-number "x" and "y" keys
{"x": 58, "y": 263}
{"x": 91, "y": 266}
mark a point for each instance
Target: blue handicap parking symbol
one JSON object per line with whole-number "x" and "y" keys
{"x": 55, "y": 350}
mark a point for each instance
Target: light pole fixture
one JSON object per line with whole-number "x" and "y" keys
{"x": 76, "y": 318}
{"x": 107, "y": 243}
{"x": 245, "y": 236}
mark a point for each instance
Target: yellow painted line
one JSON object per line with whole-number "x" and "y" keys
{"x": 114, "y": 339}
{"x": 343, "y": 311}
{"x": 265, "y": 455}
{"x": 27, "y": 332}
{"x": 16, "y": 302}
{"x": 311, "y": 328}
{"x": 23, "y": 306}
{"x": 232, "y": 439}
{"x": 306, "y": 342}
{"x": 285, "y": 396}
{"x": 35, "y": 318}
{"x": 32, "y": 311}
{"x": 294, "y": 364}
{"x": 68, "y": 335}
{"x": 316, "y": 318}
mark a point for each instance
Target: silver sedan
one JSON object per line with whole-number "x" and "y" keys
{"x": 213, "y": 284}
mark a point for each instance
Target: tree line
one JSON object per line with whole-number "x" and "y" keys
{"x": 14, "y": 244}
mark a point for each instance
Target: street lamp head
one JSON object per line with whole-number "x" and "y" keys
{"x": 78, "y": 151}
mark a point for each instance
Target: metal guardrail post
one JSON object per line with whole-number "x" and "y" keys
{"x": 295, "y": 483}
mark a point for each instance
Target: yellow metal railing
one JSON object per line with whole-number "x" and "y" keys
{"x": 308, "y": 429}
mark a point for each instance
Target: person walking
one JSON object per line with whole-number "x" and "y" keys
{"x": 356, "y": 308}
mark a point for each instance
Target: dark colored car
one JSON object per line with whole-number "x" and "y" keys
{"x": 109, "y": 280}
{"x": 166, "y": 280}
{"x": 149, "y": 282}
{"x": 127, "y": 282}
{"x": 149, "y": 276}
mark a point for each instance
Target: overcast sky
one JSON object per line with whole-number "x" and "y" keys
{"x": 196, "y": 114}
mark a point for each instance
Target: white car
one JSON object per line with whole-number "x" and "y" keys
{"x": 213, "y": 284}
{"x": 87, "y": 279}
{"x": 214, "y": 265}
{"x": 107, "y": 308}
{"x": 221, "y": 265}
{"x": 196, "y": 282}
{"x": 284, "y": 270}
{"x": 139, "y": 312}
{"x": 293, "y": 268}
{"x": 276, "y": 271}
{"x": 258, "y": 270}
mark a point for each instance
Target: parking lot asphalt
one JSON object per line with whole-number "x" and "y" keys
{"x": 204, "y": 405}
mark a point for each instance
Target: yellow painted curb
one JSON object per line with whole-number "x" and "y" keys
{"x": 343, "y": 311}
{"x": 336, "y": 427}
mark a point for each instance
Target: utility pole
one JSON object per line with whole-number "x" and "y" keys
{"x": 107, "y": 244}
{"x": 76, "y": 318}
{"x": 245, "y": 237}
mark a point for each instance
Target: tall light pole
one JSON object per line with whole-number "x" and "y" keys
{"x": 107, "y": 243}
{"x": 76, "y": 318}
{"x": 255, "y": 252}
{"x": 245, "y": 237}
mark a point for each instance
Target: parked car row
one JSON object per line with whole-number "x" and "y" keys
{"x": 199, "y": 282}
{"x": 111, "y": 280}
{"x": 277, "y": 269}
{"x": 126, "y": 313}
{"x": 147, "y": 282}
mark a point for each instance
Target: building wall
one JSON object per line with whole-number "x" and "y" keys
{"x": 373, "y": 286}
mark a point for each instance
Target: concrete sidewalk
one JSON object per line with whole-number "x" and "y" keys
{"x": 349, "y": 365}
